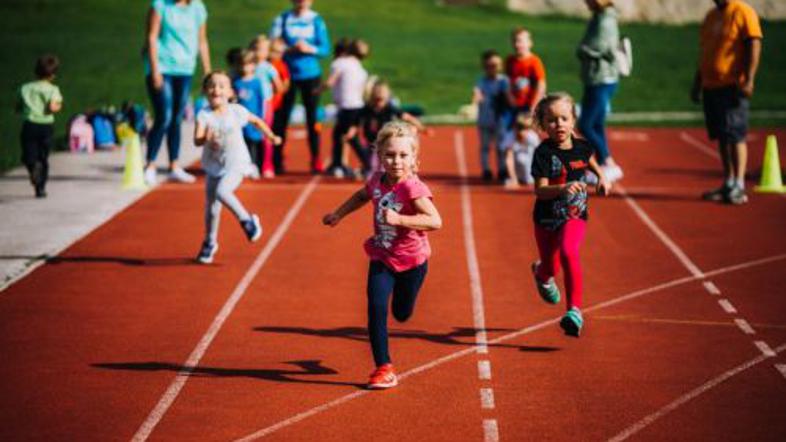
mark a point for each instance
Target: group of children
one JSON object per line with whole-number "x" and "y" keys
{"x": 403, "y": 209}
{"x": 506, "y": 96}
{"x": 364, "y": 105}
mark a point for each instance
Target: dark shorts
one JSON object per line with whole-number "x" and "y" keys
{"x": 726, "y": 114}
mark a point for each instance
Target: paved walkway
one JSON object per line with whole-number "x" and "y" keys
{"x": 84, "y": 192}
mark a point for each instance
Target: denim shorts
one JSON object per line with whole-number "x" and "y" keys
{"x": 726, "y": 114}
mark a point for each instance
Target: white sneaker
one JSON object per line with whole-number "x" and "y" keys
{"x": 179, "y": 175}
{"x": 253, "y": 172}
{"x": 150, "y": 176}
{"x": 613, "y": 173}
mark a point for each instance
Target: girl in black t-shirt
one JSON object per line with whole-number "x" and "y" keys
{"x": 560, "y": 214}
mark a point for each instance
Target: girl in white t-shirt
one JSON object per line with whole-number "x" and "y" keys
{"x": 519, "y": 146}
{"x": 225, "y": 159}
{"x": 348, "y": 80}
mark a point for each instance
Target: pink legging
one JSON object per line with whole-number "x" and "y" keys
{"x": 562, "y": 245}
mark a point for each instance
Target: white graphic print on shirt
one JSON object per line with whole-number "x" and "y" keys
{"x": 385, "y": 232}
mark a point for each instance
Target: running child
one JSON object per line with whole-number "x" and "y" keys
{"x": 560, "y": 214}
{"x": 399, "y": 249}
{"x": 225, "y": 159}
{"x": 39, "y": 101}
{"x": 490, "y": 94}
{"x": 519, "y": 146}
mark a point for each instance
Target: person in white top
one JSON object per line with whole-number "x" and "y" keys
{"x": 519, "y": 146}
{"x": 225, "y": 159}
{"x": 348, "y": 80}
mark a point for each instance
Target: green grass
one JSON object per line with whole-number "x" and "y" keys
{"x": 429, "y": 53}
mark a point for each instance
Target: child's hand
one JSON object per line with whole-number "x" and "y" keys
{"x": 211, "y": 139}
{"x": 574, "y": 187}
{"x": 391, "y": 217}
{"x": 604, "y": 187}
{"x": 429, "y": 132}
{"x": 331, "y": 219}
{"x": 511, "y": 184}
{"x": 277, "y": 140}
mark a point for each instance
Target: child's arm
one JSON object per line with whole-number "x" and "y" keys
{"x": 413, "y": 120}
{"x": 426, "y": 218}
{"x": 604, "y": 186}
{"x": 477, "y": 95}
{"x": 202, "y": 134}
{"x": 546, "y": 191}
{"x": 356, "y": 201}
{"x": 328, "y": 83}
{"x": 261, "y": 125}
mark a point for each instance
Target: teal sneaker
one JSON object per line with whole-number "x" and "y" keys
{"x": 572, "y": 322}
{"x": 548, "y": 290}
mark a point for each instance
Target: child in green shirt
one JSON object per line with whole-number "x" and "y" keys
{"x": 39, "y": 100}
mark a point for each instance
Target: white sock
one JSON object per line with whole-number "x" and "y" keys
{"x": 740, "y": 182}
{"x": 730, "y": 182}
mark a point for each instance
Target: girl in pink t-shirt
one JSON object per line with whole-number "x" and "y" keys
{"x": 399, "y": 249}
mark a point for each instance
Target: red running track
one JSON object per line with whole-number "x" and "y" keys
{"x": 94, "y": 339}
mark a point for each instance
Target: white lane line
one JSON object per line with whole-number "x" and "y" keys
{"x": 640, "y": 425}
{"x": 490, "y": 430}
{"x": 665, "y": 239}
{"x": 487, "y": 398}
{"x": 744, "y": 326}
{"x": 476, "y": 286}
{"x": 513, "y": 335}
{"x": 484, "y": 370}
{"x": 764, "y": 348}
{"x": 781, "y": 368}
{"x": 726, "y": 306}
{"x": 711, "y": 288}
{"x": 191, "y": 363}
{"x": 693, "y": 141}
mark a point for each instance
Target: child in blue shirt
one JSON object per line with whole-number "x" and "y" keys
{"x": 250, "y": 93}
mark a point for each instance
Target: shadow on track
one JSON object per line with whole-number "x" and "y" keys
{"x": 152, "y": 262}
{"x": 309, "y": 367}
{"x": 361, "y": 334}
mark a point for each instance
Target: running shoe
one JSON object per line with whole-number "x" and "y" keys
{"x": 487, "y": 176}
{"x": 179, "y": 175}
{"x": 207, "y": 252}
{"x": 252, "y": 227}
{"x": 150, "y": 176}
{"x": 718, "y": 194}
{"x": 548, "y": 290}
{"x": 383, "y": 377}
{"x": 736, "y": 196}
{"x": 572, "y": 322}
{"x": 316, "y": 166}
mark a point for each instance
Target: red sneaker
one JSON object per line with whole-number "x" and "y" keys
{"x": 383, "y": 377}
{"x": 316, "y": 166}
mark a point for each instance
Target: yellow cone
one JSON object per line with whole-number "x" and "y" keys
{"x": 771, "y": 180}
{"x": 133, "y": 175}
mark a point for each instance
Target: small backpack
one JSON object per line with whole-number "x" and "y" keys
{"x": 623, "y": 57}
{"x": 80, "y": 135}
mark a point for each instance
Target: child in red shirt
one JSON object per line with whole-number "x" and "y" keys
{"x": 526, "y": 73}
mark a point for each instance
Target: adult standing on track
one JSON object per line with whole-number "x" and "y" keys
{"x": 306, "y": 36}
{"x": 600, "y": 76}
{"x": 176, "y": 34}
{"x": 730, "y": 43}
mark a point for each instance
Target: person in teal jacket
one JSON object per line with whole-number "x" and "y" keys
{"x": 600, "y": 76}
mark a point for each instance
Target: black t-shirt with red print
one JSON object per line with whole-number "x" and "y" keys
{"x": 561, "y": 166}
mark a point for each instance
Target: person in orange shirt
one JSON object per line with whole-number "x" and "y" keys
{"x": 730, "y": 40}
{"x": 527, "y": 78}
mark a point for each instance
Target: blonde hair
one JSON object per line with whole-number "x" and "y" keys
{"x": 543, "y": 106}
{"x": 399, "y": 129}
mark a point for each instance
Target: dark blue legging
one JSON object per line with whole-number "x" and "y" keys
{"x": 592, "y": 121}
{"x": 382, "y": 281}
{"x": 169, "y": 105}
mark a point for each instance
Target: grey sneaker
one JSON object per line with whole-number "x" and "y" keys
{"x": 736, "y": 196}
{"x": 548, "y": 290}
{"x": 207, "y": 252}
{"x": 718, "y": 194}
